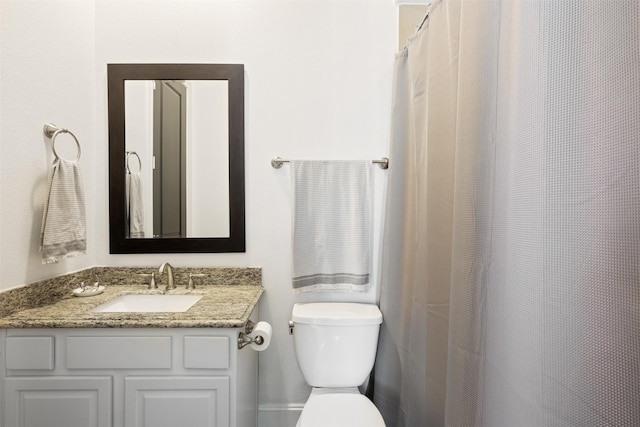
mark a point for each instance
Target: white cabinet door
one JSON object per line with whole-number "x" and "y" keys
{"x": 57, "y": 401}
{"x": 177, "y": 401}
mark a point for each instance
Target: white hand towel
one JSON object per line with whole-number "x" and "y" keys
{"x": 331, "y": 225}
{"x": 135, "y": 211}
{"x": 63, "y": 232}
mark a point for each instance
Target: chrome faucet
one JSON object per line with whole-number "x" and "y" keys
{"x": 170, "y": 284}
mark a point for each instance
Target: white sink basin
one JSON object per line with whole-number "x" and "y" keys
{"x": 148, "y": 304}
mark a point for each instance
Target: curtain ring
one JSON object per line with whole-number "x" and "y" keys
{"x": 53, "y": 142}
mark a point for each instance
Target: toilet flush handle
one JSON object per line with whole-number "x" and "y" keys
{"x": 291, "y": 325}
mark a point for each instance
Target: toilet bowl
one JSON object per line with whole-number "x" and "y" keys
{"x": 339, "y": 408}
{"x": 335, "y": 346}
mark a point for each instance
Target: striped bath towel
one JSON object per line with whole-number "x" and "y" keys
{"x": 331, "y": 225}
{"x": 134, "y": 209}
{"x": 63, "y": 233}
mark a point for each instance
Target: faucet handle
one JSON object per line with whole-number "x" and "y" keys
{"x": 190, "y": 284}
{"x": 152, "y": 282}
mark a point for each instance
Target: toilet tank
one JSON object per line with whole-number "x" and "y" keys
{"x": 335, "y": 343}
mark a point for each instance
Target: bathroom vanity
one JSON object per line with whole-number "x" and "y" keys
{"x": 66, "y": 365}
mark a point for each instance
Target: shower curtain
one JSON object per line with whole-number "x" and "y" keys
{"x": 511, "y": 254}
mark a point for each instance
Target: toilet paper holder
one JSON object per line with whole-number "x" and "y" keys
{"x": 244, "y": 339}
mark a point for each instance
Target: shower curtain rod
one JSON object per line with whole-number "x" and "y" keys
{"x": 422, "y": 22}
{"x": 277, "y": 162}
{"x": 426, "y": 16}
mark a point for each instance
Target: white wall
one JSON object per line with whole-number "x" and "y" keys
{"x": 318, "y": 85}
{"x": 46, "y": 75}
{"x": 207, "y": 149}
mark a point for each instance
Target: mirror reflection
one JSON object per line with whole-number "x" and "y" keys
{"x": 176, "y": 158}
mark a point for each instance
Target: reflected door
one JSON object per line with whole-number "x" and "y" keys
{"x": 169, "y": 148}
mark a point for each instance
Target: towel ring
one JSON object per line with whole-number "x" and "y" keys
{"x": 133, "y": 153}
{"x": 52, "y": 131}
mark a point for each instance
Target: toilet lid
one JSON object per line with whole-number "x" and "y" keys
{"x": 340, "y": 410}
{"x": 336, "y": 314}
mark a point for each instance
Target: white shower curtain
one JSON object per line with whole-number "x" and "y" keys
{"x": 511, "y": 257}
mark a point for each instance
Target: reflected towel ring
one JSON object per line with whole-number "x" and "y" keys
{"x": 52, "y": 131}
{"x": 129, "y": 154}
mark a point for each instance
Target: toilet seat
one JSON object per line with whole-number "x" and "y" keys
{"x": 339, "y": 409}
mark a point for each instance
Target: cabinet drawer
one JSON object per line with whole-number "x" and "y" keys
{"x": 30, "y": 353}
{"x": 206, "y": 352}
{"x": 128, "y": 352}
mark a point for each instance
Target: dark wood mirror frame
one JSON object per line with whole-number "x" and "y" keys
{"x": 117, "y": 75}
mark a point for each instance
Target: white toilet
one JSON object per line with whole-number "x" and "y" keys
{"x": 335, "y": 345}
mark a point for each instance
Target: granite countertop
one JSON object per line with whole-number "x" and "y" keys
{"x": 226, "y": 305}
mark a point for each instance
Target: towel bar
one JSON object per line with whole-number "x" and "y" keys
{"x": 277, "y": 162}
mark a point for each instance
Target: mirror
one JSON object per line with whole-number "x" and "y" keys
{"x": 175, "y": 131}
{"x": 176, "y": 158}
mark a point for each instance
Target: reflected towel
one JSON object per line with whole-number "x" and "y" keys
{"x": 331, "y": 225}
{"x": 63, "y": 232}
{"x": 135, "y": 212}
